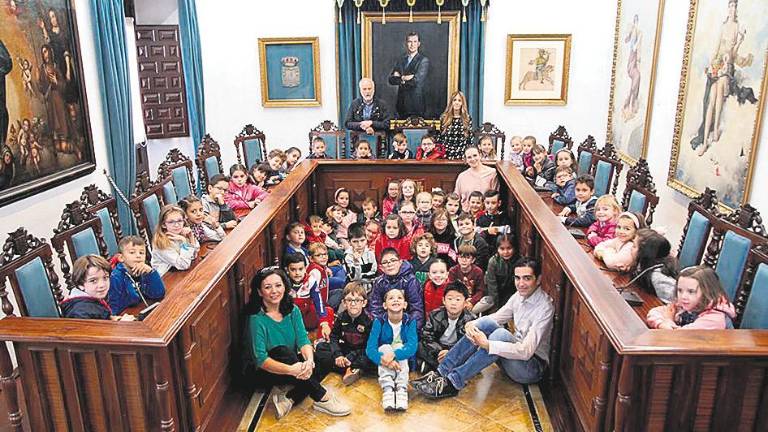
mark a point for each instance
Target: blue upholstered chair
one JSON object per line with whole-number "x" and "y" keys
{"x": 498, "y": 136}
{"x": 640, "y": 191}
{"x": 702, "y": 212}
{"x": 559, "y": 139}
{"x": 81, "y": 233}
{"x": 587, "y": 151}
{"x": 377, "y": 142}
{"x": 334, "y": 139}
{"x": 732, "y": 261}
{"x": 146, "y": 202}
{"x": 606, "y": 169}
{"x": 179, "y": 168}
{"x": 208, "y": 161}
{"x": 27, "y": 265}
{"x": 105, "y": 208}
{"x": 169, "y": 193}
{"x": 755, "y": 314}
{"x": 250, "y": 145}
{"x": 413, "y": 128}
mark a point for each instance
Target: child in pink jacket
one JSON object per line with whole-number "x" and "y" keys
{"x": 606, "y": 211}
{"x": 619, "y": 253}
{"x": 241, "y": 194}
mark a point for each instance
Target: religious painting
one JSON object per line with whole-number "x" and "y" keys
{"x": 721, "y": 99}
{"x": 290, "y": 72}
{"x": 413, "y": 62}
{"x": 635, "y": 49}
{"x": 537, "y": 69}
{"x": 45, "y": 134}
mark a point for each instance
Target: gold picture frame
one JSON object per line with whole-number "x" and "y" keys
{"x": 634, "y": 76}
{"x": 721, "y": 155}
{"x": 285, "y": 80}
{"x": 526, "y": 53}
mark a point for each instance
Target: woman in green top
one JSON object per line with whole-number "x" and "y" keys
{"x": 277, "y": 335}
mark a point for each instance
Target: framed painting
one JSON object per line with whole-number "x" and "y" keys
{"x": 45, "y": 132}
{"x": 721, "y": 99}
{"x": 415, "y": 65}
{"x": 635, "y": 50}
{"x": 537, "y": 69}
{"x": 290, "y": 72}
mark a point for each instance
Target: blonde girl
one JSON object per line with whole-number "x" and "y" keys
{"x": 407, "y": 193}
{"x": 606, "y": 211}
{"x": 174, "y": 244}
{"x": 619, "y": 253}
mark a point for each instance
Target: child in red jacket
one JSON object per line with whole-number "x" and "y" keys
{"x": 437, "y": 279}
{"x": 606, "y": 211}
{"x": 429, "y": 149}
{"x": 395, "y": 236}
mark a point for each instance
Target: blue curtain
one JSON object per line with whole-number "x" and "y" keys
{"x": 472, "y": 57}
{"x": 350, "y": 64}
{"x": 192, "y": 57}
{"x": 112, "y": 61}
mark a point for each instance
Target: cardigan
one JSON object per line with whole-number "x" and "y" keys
{"x": 469, "y": 181}
{"x": 266, "y": 333}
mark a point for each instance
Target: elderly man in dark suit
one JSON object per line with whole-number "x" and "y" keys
{"x": 410, "y": 74}
{"x": 366, "y": 113}
{"x": 6, "y": 64}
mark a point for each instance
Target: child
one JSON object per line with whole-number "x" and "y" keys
{"x": 309, "y": 301}
{"x": 342, "y": 198}
{"x": 334, "y": 217}
{"x": 444, "y": 326}
{"x": 295, "y": 267}
{"x": 453, "y": 207}
{"x": 435, "y": 285}
{"x": 516, "y": 152}
{"x": 132, "y": 281}
{"x": 487, "y": 148}
{"x": 400, "y": 148}
{"x": 565, "y": 157}
{"x": 429, "y": 150}
{"x": 174, "y": 245}
{"x": 372, "y": 233}
{"x": 606, "y": 211}
{"x": 395, "y": 236}
{"x": 438, "y": 199}
{"x": 423, "y": 250}
{"x": 423, "y": 208}
{"x": 565, "y": 186}
{"x": 295, "y": 236}
{"x": 543, "y": 169}
{"x": 476, "y": 204}
{"x": 528, "y": 143}
{"x": 500, "y": 276}
{"x": 363, "y": 150}
{"x": 90, "y": 274}
{"x": 392, "y": 342}
{"x": 442, "y": 231}
{"x": 203, "y": 231}
{"x": 317, "y": 280}
{"x": 359, "y": 259}
{"x": 407, "y": 194}
{"x": 582, "y": 212}
{"x": 241, "y": 194}
{"x": 407, "y": 213}
{"x": 260, "y": 175}
{"x": 471, "y": 276}
{"x": 619, "y": 252}
{"x": 275, "y": 159}
{"x": 700, "y": 304}
{"x": 318, "y": 149}
{"x": 493, "y": 221}
{"x": 390, "y": 201}
{"x": 652, "y": 249}
{"x": 370, "y": 211}
{"x": 344, "y": 353}
{"x": 292, "y": 156}
{"x": 468, "y": 236}
{"x": 396, "y": 274}
{"x": 215, "y": 207}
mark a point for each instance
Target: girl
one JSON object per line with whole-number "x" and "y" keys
{"x": 90, "y": 274}
{"x": 174, "y": 245}
{"x": 487, "y": 149}
{"x": 334, "y": 216}
{"x": 477, "y": 177}
{"x": 393, "y": 196}
{"x": 543, "y": 169}
{"x": 292, "y": 156}
{"x": 260, "y": 175}
{"x": 423, "y": 249}
{"x": 700, "y": 303}
{"x": 204, "y": 232}
{"x": 407, "y": 194}
{"x": 443, "y": 233}
{"x": 242, "y": 196}
{"x": 456, "y": 127}
{"x": 434, "y": 287}
{"x": 500, "y": 276}
{"x": 394, "y": 237}
{"x": 412, "y": 226}
{"x": 516, "y": 152}
{"x": 363, "y": 150}
{"x": 564, "y": 157}
{"x": 341, "y": 198}
{"x": 453, "y": 207}
{"x": 618, "y": 253}
{"x": 372, "y": 232}
{"x": 606, "y": 210}
{"x": 652, "y": 249}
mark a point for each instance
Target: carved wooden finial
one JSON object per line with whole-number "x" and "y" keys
{"x": 75, "y": 213}
{"x": 589, "y": 144}
{"x": 18, "y": 244}
{"x": 748, "y": 218}
{"x": 708, "y": 200}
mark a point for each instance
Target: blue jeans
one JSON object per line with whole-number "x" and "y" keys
{"x": 466, "y": 360}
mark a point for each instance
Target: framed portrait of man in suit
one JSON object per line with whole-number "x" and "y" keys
{"x": 415, "y": 64}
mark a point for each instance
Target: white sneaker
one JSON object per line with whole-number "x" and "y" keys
{"x": 283, "y": 405}
{"x": 388, "y": 399}
{"x": 401, "y": 399}
{"x": 332, "y": 407}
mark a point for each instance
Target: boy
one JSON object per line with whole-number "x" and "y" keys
{"x": 471, "y": 276}
{"x": 438, "y": 199}
{"x": 133, "y": 281}
{"x": 363, "y": 149}
{"x": 292, "y": 156}
{"x": 565, "y": 194}
{"x": 295, "y": 237}
{"x": 316, "y": 280}
{"x": 493, "y": 221}
{"x": 400, "y": 148}
{"x": 467, "y": 236}
{"x": 318, "y": 149}
{"x": 424, "y": 208}
{"x": 90, "y": 274}
{"x": 275, "y": 159}
{"x": 435, "y": 285}
{"x": 476, "y": 204}
{"x": 344, "y": 353}
{"x": 370, "y": 211}
{"x": 396, "y": 274}
{"x": 444, "y": 326}
{"x": 359, "y": 259}
{"x": 429, "y": 150}
{"x": 216, "y": 210}
{"x": 582, "y": 212}
{"x": 308, "y": 300}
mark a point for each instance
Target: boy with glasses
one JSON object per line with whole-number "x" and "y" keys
{"x": 397, "y": 274}
{"x": 317, "y": 279}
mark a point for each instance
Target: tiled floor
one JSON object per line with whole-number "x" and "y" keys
{"x": 491, "y": 402}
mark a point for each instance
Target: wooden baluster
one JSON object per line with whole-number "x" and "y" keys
{"x": 191, "y": 390}
{"x": 624, "y": 396}
{"x": 162, "y": 374}
{"x": 8, "y": 384}
{"x": 713, "y": 250}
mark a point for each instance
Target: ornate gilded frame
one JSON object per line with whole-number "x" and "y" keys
{"x": 563, "y": 99}
{"x": 627, "y": 158}
{"x": 672, "y": 180}
{"x": 452, "y": 18}
{"x": 271, "y": 102}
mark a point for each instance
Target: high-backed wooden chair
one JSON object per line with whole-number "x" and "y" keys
{"x": 413, "y": 128}
{"x": 606, "y": 168}
{"x": 104, "y": 206}
{"x": 587, "y": 151}
{"x": 208, "y": 161}
{"x": 81, "y": 232}
{"x": 702, "y": 211}
{"x": 752, "y": 300}
{"x": 498, "y": 136}
{"x": 640, "y": 191}
{"x": 179, "y": 168}
{"x": 250, "y": 145}
{"x": 559, "y": 139}
{"x": 335, "y": 144}
{"x": 27, "y": 265}
{"x": 146, "y": 202}
{"x": 377, "y": 140}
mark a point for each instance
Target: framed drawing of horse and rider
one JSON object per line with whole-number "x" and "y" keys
{"x": 537, "y": 69}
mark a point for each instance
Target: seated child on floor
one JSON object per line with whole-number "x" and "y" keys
{"x": 392, "y": 197}
{"x": 444, "y": 326}
{"x": 424, "y": 208}
{"x": 342, "y": 199}
{"x": 400, "y": 148}
{"x": 396, "y": 273}
{"x": 394, "y": 236}
{"x": 476, "y": 204}
{"x": 471, "y": 276}
{"x": 174, "y": 245}
{"x": 494, "y": 220}
{"x": 582, "y": 212}
{"x": 619, "y": 252}
{"x": 317, "y": 279}
{"x": 204, "y": 232}
{"x": 359, "y": 259}
{"x": 372, "y": 233}
{"x": 90, "y": 275}
{"x": 133, "y": 281}
{"x": 453, "y": 207}
{"x": 407, "y": 194}
{"x": 413, "y": 227}
{"x": 215, "y": 207}
{"x": 435, "y": 285}
{"x": 468, "y": 236}
{"x": 370, "y": 211}
{"x": 335, "y": 216}
{"x": 565, "y": 186}
{"x": 307, "y": 295}
{"x": 318, "y": 149}
{"x": 438, "y": 199}
{"x": 604, "y": 228}
{"x": 500, "y": 276}
{"x": 295, "y": 236}
{"x": 423, "y": 250}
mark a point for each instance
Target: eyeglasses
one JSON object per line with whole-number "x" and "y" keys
{"x": 320, "y": 254}
{"x": 175, "y": 222}
{"x": 388, "y": 262}
{"x": 407, "y": 212}
{"x": 353, "y": 301}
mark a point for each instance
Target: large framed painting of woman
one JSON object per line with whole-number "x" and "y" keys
{"x": 636, "y": 45}
{"x": 721, "y": 99}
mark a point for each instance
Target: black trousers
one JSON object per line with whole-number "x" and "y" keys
{"x": 326, "y": 362}
{"x": 429, "y": 360}
{"x": 301, "y": 388}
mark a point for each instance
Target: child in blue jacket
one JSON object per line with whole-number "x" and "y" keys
{"x": 133, "y": 281}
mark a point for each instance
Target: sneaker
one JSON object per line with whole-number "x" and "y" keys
{"x": 283, "y": 405}
{"x": 388, "y": 399}
{"x": 401, "y": 399}
{"x": 437, "y": 388}
{"x": 350, "y": 376}
{"x": 428, "y": 375}
{"x": 332, "y": 407}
